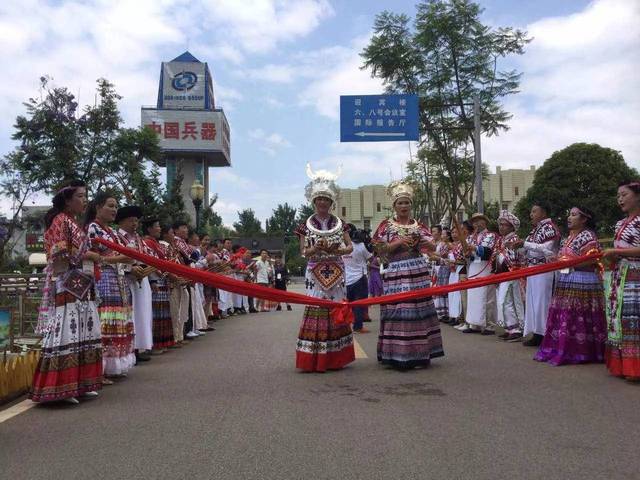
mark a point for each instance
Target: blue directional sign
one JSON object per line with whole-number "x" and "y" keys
{"x": 378, "y": 118}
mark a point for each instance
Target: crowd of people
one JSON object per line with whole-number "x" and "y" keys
{"x": 103, "y": 312}
{"x": 572, "y": 316}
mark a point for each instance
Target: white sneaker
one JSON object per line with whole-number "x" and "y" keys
{"x": 200, "y": 332}
{"x": 192, "y": 334}
{"x": 462, "y": 326}
{"x": 90, "y": 394}
{"x": 72, "y": 400}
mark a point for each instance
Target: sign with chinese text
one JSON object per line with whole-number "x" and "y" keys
{"x": 190, "y": 130}
{"x": 378, "y": 118}
{"x": 183, "y": 85}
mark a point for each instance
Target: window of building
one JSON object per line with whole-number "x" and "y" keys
{"x": 344, "y": 211}
{"x": 367, "y": 224}
{"x": 516, "y": 191}
{"x": 378, "y": 207}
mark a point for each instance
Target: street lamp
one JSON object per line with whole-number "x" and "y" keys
{"x": 197, "y": 195}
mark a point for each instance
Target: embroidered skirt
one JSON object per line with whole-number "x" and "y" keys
{"x": 409, "y": 331}
{"x": 442, "y": 301}
{"x": 116, "y": 322}
{"x": 322, "y": 345}
{"x": 576, "y": 324}
{"x": 623, "y": 344}
{"x": 162, "y": 325}
{"x": 71, "y": 358}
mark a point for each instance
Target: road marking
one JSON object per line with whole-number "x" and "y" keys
{"x": 360, "y": 353}
{"x": 17, "y": 409}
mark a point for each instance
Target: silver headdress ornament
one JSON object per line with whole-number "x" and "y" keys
{"x": 400, "y": 189}
{"x": 323, "y": 184}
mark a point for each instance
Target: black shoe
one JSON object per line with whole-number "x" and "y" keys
{"x": 504, "y": 336}
{"x": 470, "y": 330}
{"x": 514, "y": 337}
{"x": 142, "y": 357}
{"x": 243, "y": 311}
{"x": 486, "y": 331}
{"x": 252, "y": 310}
{"x": 230, "y": 312}
{"x": 278, "y": 308}
{"x": 534, "y": 341}
{"x": 289, "y": 309}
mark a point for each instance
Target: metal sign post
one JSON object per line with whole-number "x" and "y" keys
{"x": 477, "y": 154}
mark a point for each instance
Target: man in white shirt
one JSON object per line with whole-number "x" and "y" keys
{"x": 355, "y": 274}
{"x": 264, "y": 273}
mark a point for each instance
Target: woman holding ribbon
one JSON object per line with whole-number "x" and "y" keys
{"x": 322, "y": 344}
{"x": 115, "y": 307}
{"x": 457, "y": 264}
{"x": 509, "y": 294}
{"x": 162, "y": 327}
{"x": 70, "y": 362}
{"x": 409, "y": 330}
{"x": 576, "y": 325}
{"x": 623, "y": 344}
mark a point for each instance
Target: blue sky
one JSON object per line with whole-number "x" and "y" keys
{"x": 279, "y": 68}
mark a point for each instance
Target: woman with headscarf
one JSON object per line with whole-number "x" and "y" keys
{"x": 409, "y": 330}
{"x": 623, "y": 344}
{"x": 576, "y": 324}
{"x": 509, "y": 298}
{"x": 323, "y": 344}
{"x": 70, "y": 364}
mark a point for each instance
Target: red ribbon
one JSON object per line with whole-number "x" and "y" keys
{"x": 340, "y": 311}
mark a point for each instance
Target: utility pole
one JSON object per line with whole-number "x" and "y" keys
{"x": 477, "y": 154}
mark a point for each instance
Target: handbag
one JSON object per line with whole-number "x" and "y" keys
{"x": 77, "y": 283}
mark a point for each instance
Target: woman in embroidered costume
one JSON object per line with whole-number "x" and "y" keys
{"x": 70, "y": 362}
{"x": 442, "y": 239}
{"x": 509, "y": 294}
{"x": 323, "y": 345}
{"x": 114, "y": 308}
{"x": 541, "y": 245}
{"x": 457, "y": 265}
{"x": 482, "y": 312}
{"x": 409, "y": 331}
{"x": 162, "y": 328}
{"x": 623, "y": 344}
{"x": 576, "y": 325}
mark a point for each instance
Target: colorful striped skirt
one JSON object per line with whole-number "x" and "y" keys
{"x": 576, "y": 325}
{"x": 71, "y": 357}
{"x": 442, "y": 301}
{"x": 623, "y": 344}
{"x": 162, "y": 325}
{"x": 116, "y": 319}
{"x": 409, "y": 331}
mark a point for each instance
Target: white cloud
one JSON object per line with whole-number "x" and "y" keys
{"x": 269, "y": 142}
{"x": 581, "y": 84}
{"x": 259, "y": 25}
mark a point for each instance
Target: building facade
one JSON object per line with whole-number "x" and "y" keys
{"x": 364, "y": 206}
{"x": 507, "y": 187}
{"x": 368, "y": 205}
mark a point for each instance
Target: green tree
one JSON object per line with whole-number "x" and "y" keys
{"x": 447, "y": 57}
{"x": 304, "y": 211}
{"x": 56, "y": 143}
{"x": 581, "y": 174}
{"x": 173, "y": 204}
{"x": 247, "y": 224}
{"x": 282, "y": 221}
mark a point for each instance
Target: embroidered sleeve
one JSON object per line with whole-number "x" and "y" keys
{"x": 301, "y": 230}
{"x": 381, "y": 234}
{"x": 425, "y": 234}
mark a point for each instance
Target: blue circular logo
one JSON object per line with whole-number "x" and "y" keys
{"x": 184, "y": 81}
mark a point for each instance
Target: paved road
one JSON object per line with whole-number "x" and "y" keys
{"x": 231, "y": 406}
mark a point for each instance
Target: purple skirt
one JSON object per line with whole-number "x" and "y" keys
{"x": 375, "y": 283}
{"x": 576, "y": 324}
